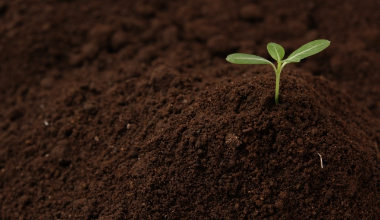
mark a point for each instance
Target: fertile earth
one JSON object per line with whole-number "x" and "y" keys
{"x": 129, "y": 110}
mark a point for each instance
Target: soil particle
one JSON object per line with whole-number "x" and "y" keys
{"x": 251, "y": 12}
{"x": 147, "y": 54}
{"x": 119, "y": 40}
{"x": 170, "y": 35}
{"x": 90, "y": 50}
{"x": 47, "y": 82}
{"x": 15, "y": 113}
{"x": 76, "y": 59}
{"x": 161, "y": 78}
{"x": 90, "y": 107}
{"x": 100, "y": 35}
{"x": 232, "y": 141}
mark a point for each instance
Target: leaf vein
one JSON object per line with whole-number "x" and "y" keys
{"x": 305, "y": 51}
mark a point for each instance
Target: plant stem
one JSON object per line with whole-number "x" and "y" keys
{"x": 277, "y": 87}
{"x": 278, "y": 73}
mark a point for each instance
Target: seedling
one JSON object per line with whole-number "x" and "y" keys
{"x": 277, "y": 52}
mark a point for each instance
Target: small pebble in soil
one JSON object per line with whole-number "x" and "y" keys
{"x": 232, "y": 140}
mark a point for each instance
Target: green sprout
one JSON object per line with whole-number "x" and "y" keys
{"x": 277, "y": 52}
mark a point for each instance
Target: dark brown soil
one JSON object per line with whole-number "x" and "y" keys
{"x": 128, "y": 110}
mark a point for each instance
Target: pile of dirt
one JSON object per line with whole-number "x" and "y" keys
{"x": 233, "y": 154}
{"x": 133, "y": 112}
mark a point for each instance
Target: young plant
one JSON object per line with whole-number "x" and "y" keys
{"x": 277, "y": 52}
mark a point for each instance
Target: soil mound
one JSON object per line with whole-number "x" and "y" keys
{"x": 163, "y": 148}
{"x": 233, "y": 154}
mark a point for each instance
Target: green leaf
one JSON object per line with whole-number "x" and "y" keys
{"x": 291, "y": 61}
{"x": 242, "y": 58}
{"x": 276, "y": 51}
{"x": 307, "y": 50}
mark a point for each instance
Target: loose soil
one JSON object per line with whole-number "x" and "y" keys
{"x": 128, "y": 110}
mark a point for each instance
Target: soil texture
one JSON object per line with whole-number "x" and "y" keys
{"x": 129, "y": 110}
